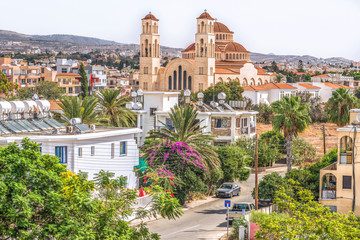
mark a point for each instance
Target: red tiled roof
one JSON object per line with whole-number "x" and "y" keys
{"x": 220, "y": 27}
{"x": 322, "y": 76}
{"x": 224, "y": 71}
{"x": 205, "y": 15}
{"x": 336, "y": 86}
{"x": 261, "y": 71}
{"x": 308, "y": 86}
{"x": 67, "y": 74}
{"x": 254, "y": 88}
{"x": 150, "y": 17}
{"x": 268, "y": 86}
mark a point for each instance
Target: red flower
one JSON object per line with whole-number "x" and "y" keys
{"x": 172, "y": 184}
{"x": 172, "y": 195}
{"x": 167, "y": 190}
{"x": 172, "y": 178}
{"x": 145, "y": 181}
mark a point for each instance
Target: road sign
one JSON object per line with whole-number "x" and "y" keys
{"x": 227, "y": 203}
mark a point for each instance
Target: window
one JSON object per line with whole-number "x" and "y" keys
{"x": 201, "y": 70}
{"x": 281, "y": 94}
{"x": 122, "y": 148}
{"x": 169, "y": 124}
{"x": 70, "y": 90}
{"x": 63, "y": 70}
{"x": 346, "y": 182}
{"x": 61, "y": 153}
{"x": 201, "y": 86}
{"x": 112, "y": 150}
{"x": 80, "y": 152}
{"x": 238, "y": 122}
{"x": 244, "y": 122}
{"x": 92, "y": 150}
{"x": 146, "y": 70}
{"x": 221, "y": 123}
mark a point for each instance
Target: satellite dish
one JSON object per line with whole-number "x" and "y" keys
{"x": 358, "y": 117}
{"x": 35, "y": 97}
{"x": 200, "y": 95}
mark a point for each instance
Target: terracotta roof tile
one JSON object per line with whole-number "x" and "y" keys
{"x": 308, "y": 86}
{"x": 224, "y": 71}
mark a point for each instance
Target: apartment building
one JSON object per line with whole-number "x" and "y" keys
{"x": 340, "y": 182}
{"x": 70, "y": 82}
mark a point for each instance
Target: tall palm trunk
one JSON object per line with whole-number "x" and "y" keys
{"x": 289, "y": 140}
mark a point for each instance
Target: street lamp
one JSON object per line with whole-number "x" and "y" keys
{"x": 187, "y": 95}
{"x": 134, "y": 95}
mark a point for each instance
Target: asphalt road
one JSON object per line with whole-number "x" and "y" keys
{"x": 206, "y": 221}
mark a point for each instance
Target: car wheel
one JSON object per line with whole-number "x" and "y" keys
{"x": 238, "y": 193}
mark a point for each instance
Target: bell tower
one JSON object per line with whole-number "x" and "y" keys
{"x": 204, "y": 52}
{"x": 149, "y": 53}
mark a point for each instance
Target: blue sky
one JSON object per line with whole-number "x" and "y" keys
{"x": 321, "y": 28}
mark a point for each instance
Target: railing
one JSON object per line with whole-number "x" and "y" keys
{"x": 245, "y": 130}
{"x": 328, "y": 194}
{"x": 346, "y": 158}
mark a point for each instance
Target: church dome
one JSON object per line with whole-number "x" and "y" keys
{"x": 150, "y": 17}
{"x": 234, "y": 47}
{"x": 205, "y": 15}
{"x": 191, "y": 47}
{"x": 220, "y": 27}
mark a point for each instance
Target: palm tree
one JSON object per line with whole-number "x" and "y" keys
{"x": 76, "y": 107}
{"x": 187, "y": 129}
{"x": 339, "y": 105}
{"x": 291, "y": 117}
{"x": 112, "y": 105}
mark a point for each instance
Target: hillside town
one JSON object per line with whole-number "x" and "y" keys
{"x": 101, "y": 140}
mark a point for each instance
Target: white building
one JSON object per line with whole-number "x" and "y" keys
{"x": 80, "y": 147}
{"x": 311, "y": 89}
{"x": 268, "y": 93}
{"x": 65, "y": 65}
{"x": 225, "y": 122}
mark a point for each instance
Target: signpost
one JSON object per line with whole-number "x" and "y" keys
{"x": 227, "y": 205}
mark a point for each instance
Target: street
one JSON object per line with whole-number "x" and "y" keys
{"x": 206, "y": 221}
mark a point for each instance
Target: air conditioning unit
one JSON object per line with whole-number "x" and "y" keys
{"x": 69, "y": 129}
{"x": 92, "y": 127}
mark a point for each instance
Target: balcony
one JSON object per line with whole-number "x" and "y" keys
{"x": 244, "y": 130}
{"x": 346, "y": 157}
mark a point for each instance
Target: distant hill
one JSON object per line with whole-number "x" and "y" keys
{"x": 66, "y": 42}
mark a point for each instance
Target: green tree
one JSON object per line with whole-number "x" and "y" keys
{"x": 279, "y": 78}
{"x": 357, "y": 92}
{"x": 307, "y": 78}
{"x": 186, "y": 129}
{"x": 317, "y": 110}
{"x": 40, "y": 199}
{"x": 274, "y": 67}
{"x": 84, "y": 81}
{"x": 300, "y": 66}
{"x": 269, "y": 185}
{"x": 5, "y": 85}
{"x": 76, "y": 107}
{"x": 232, "y": 89}
{"x": 25, "y": 93}
{"x": 49, "y": 90}
{"x": 274, "y": 139}
{"x": 113, "y": 108}
{"x": 339, "y": 105}
{"x": 300, "y": 217}
{"x": 233, "y": 162}
{"x": 266, "y": 113}
{"x": 303, "y": 152}
{"x": 291, "y": 117}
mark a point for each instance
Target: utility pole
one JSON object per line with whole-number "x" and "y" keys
{"x": 323, "y": 132}
{"x": 256, "y": 173}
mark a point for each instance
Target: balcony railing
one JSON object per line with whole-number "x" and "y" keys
{"x": 346, "y": 158}
{"x": 244, "y": 130}
{"x": 328, "y": 194}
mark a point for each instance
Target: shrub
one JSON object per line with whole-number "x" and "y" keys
{"x": 303, "y": 152}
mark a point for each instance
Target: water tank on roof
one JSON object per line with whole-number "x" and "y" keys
{"x": 17, "y": 107}
{"x": 5, "y": 107}
{"x": 29, "y": 106}
{"x": 43, "y": 105}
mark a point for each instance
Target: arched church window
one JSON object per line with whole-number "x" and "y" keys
{"x": 184, "y": 80}
{"x": 189, "y": 83}
{"x": 175, "y": 79}
{"x": 180, "y": 77}
{"x": 170, "y": 83}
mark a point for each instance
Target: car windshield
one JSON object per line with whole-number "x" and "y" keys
{"x": 241, "y": 207}
{"x": 226, "y": 186}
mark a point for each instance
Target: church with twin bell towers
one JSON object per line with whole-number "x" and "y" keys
{"x": 214, "y": 57}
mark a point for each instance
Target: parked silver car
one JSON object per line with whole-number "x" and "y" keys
{"x": 228, "y": 190}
